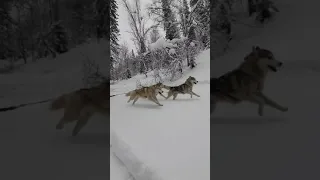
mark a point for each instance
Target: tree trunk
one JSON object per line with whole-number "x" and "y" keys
{"x": 56, "y": 11}
{"x": 32, "y": 39}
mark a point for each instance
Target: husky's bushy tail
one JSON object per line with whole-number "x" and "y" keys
{"x": 128, "y": 93}
{"x": 58, "y": 103}
{"x": 213, "y": 84}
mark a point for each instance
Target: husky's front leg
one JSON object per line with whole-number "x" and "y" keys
{"x": 162, "y": 95}
{"x": 258, "y": 100}
{"x": 272, "y": 103}
{"x": 155, "y": 100}
{"x": 195, "y": 94}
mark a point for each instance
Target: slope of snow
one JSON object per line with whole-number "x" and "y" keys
{"x": 118, "y": 170}
{"x": 279, "y": 145}
{"x": 168, "y": 142}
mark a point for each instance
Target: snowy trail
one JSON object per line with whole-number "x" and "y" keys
{"x": 280, "y": 145}
{"x": 168, "y": 142}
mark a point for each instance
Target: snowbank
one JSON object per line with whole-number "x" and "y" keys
{"x": 160, "y": 44}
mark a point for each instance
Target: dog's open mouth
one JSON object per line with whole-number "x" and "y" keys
{"x": 195, "y": 82}
{"x": 272, "y": 68}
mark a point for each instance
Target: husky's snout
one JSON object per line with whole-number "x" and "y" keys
{"x": 160, "y": 91}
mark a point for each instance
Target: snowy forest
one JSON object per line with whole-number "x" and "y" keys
{"x": 31, "y": 30}
{"x": 189, "y": 26}
{"x": 186, "y": 27}
{"x": 36, "y": 29}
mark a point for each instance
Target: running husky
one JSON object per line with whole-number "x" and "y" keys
{"x": 147, "y": 92}
{"x": 185, "y": 88}
{"x": 246, "y": 82}
{"x": 80, "y": 105}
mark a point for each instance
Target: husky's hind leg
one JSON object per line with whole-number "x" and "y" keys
{"x": 83, "y": 120}
{"x": 169, "y": 94}
{"x": 60, "y": 125}
{"x": 175, "y": 96}
{"x": 69, "y": 115}
{"x": 130, "y": 99}
{"x": 135, "y": 100}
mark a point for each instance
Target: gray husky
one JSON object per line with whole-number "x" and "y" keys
{"x": 185, "y": 88}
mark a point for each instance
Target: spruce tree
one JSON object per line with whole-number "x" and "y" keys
{"x": 60, "y": 38}
{"x": 170, "y": 22}
{"x": 185, "y": 17}
{"x": 114, "y": 32}
{"x": 101, "y": 17}
{"x": 201, "y": 10}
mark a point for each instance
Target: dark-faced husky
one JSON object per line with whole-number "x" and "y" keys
{"x": 246, "y": 82}
{"x": 185, "y": 88}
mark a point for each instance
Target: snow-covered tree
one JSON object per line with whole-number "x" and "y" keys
{"x": 185, "y": 18}
{"x": 201, "y": 14}
{"x": 59, "y": 38}
{"x": 169, "y": 21}
{"x": 101, "y": 17}
{"x": 138, "y": 25}
{"x": 6, "y": 28}
{"x": 114, "y": 33}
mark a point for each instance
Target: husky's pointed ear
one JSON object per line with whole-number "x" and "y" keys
{"x": 255, "y": 48}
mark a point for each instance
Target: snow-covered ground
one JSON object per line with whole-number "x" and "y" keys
{"x": 279, "y": 145}
{"x": 172, "y": 142}
{"x": 167, "y": 142}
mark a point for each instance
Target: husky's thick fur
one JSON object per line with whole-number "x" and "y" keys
{"x": 80, "y": 105}
{"x": 246, "y": 82}
{"x": 149, "y": 93}
{"x": 185, "y": 88}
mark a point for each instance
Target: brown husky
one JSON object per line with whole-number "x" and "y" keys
{"x": 80, "y": 105}
{"x": 147, "y": 92}
{"x": 246, "y": 82}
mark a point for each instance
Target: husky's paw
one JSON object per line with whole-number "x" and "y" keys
{"x": 285, "y": 109}
{"x": 160, "y": 104}
{"x": 59, "y": 126}
{"x": 74, "y": 133}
